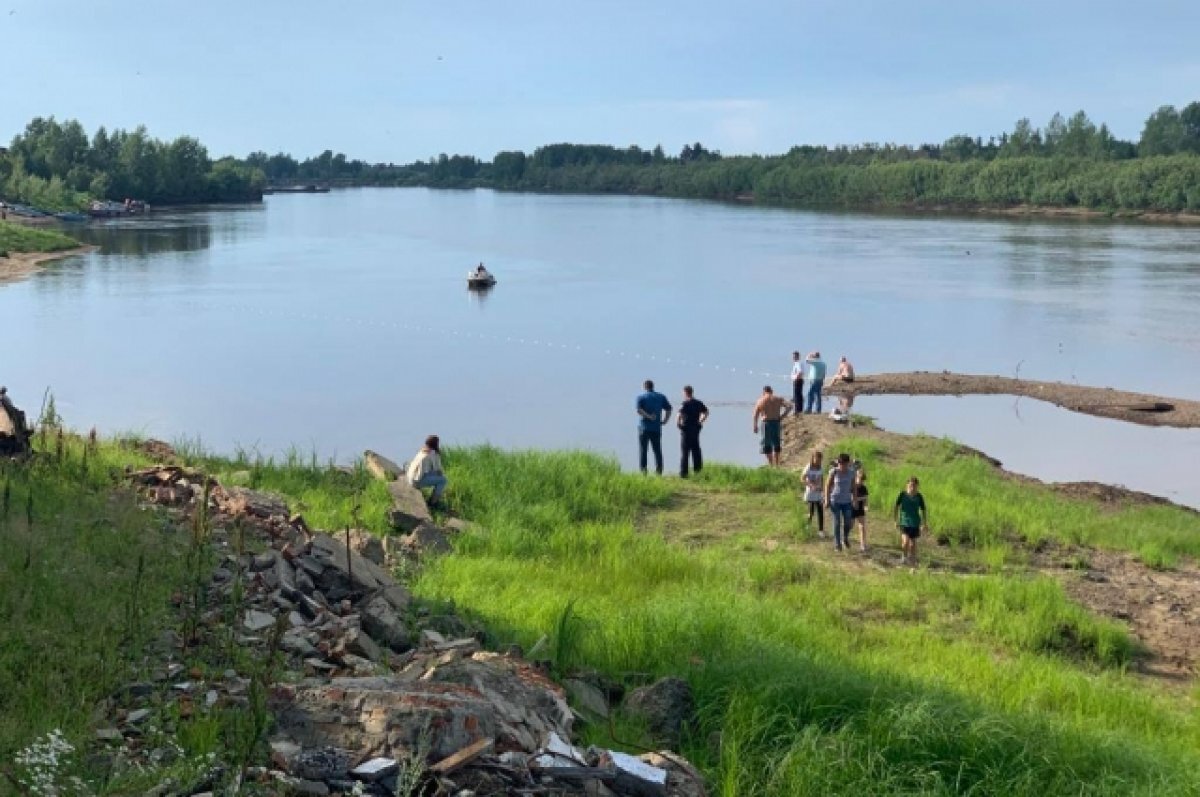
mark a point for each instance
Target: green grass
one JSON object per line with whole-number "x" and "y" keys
{"x": 19, "y": 238}
{"x": 812, "y": 679}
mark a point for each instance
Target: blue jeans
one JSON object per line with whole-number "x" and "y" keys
{"x": 814, "y": 395}
{"x": 435, "y": 480}
{"x": 843, "y": 522}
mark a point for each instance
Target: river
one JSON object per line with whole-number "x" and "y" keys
{"x": 337, "y": 322}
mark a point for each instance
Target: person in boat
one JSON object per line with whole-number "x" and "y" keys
{"x": 481, "y": 272}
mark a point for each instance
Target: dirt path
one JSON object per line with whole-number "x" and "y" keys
{"x": 19, "y": 265}
{"x": 1103, "y": 402}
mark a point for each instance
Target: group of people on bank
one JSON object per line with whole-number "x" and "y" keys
{"x": 842, "y": 490}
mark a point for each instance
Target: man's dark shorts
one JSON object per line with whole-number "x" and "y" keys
{"x": 772, "y": 441}
{"x": 910, "y": 532}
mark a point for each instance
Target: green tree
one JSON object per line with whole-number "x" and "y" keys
{"x": 1164, "y": 133}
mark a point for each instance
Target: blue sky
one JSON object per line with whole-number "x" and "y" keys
{"x": 397, "y": 81}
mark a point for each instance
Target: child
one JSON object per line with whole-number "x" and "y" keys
{"x": 860, "y": 505}
{"x": 911, "y": 518}
{"x": 813, "y": 483}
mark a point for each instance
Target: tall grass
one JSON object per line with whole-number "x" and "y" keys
{"x": 810, "y": 680}
{"x": 19, "y": 238}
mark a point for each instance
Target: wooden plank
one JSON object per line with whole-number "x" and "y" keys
{"x": 462, "y": 757}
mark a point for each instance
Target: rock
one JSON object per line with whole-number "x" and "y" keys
{"x": 255, "y": 503}
{"x": 427, "y": 539}
{"x": 587, "y": 697}
{"x": 430, "y": 638}
{"x": 109, "y": 735}
{"x": 345, "y": 569}
{"x": 381, "y": 467}
{"x": 408, "y": 506}
{"x": 683, "y": 779}
{"x": 320, "y": 763}
{"x": 256, "y": 621}
{"x": 664, "y": 706}
{"x": 358, "y": 643}
{"x": 137, "y": 716}
{"x": 297, "y": 645}
{"x": 485, "y": 696}
{"x": 263, "y": 561}
{"x": 384, "y": 625}
{"x": 366, "y": 545}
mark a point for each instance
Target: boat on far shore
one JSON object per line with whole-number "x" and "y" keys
{"x": 307, "y": 188}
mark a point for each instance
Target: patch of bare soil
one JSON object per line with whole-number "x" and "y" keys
{"x": 1161, "y": 607}
{"x": 1104, "y": 402}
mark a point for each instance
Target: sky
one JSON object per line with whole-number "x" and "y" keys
{"x": 400, "y": 81}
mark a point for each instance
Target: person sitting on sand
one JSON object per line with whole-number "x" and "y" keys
{"x": 425, "y": 470}
{"x": 845, "y": 373}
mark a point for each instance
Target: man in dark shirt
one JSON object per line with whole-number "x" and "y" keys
{"x": 692, "y": 415}
{"x": 651, "y": 407}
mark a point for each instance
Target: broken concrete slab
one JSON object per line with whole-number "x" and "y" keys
{"x": 381, "y": 467}
{"x": 408, "y": 506}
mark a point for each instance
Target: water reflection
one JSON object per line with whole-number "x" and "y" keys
{"x": 145, "y": 241}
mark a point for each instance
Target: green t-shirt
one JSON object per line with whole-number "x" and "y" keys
{"x": 911, "y": 507}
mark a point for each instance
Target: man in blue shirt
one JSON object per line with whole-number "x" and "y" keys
{"x": 816, "y": 380}
{"x": 651, "y": 407}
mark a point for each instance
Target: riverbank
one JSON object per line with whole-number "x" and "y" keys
{"x": 1103, "y": 402}
{"x": 1007, "y": 675}
{"x": 21, "y": 265}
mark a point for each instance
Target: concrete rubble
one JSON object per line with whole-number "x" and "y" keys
{"x": 366, "y": 696}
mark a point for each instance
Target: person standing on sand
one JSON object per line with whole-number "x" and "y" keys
{"x": 911, "y": 518}
{"x": 771, "y": 409}
{"x": 797, "y": 382}
{"x": 425, "y": 470}
{"x": 839, "y": 499}
{"x": 653, "y": 411}
{"x": 860, "y": 505}
{"x": 691, "y": 417}
{"x": 813, "y": 479}
{"x": 816, "y": 380}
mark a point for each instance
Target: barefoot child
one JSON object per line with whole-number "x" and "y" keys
{"x": 814, "y": 478}
{"x": 911, "y": 518}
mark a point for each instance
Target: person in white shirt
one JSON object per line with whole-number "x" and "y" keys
{"x": 797, "y": 382}
{"x": 425, "y": 470}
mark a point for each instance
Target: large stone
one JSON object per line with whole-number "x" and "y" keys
{"x": 426, "y": 539}
{"x": 358, "y": 643}
{"x": 381, "y": 467}
{"x": 344, "y": 569}
{"x": 457, "y": 704}
{"x": 367, "y": 545}
{"x": 665, "y": 706}
{"x": 255, "y": 503}
{"x": 380, "y": 620}
{"x": 408, "y": 506}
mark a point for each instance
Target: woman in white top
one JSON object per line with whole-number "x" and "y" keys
{"x": 425, "y": 470}
{"x": 813, "y": 495}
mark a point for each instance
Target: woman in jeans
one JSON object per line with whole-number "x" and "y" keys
{"x": 839, "y": 498}
{"x": 813, "y": 478}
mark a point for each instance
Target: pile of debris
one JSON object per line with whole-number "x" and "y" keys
{"x": 368, "y": 697}
{"x": 14, "y": 431}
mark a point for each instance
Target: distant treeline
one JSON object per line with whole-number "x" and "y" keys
{"x": 55, "y": 166}
{"x": 1068, "y": 163}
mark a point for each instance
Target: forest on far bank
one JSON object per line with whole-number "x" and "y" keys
{"x": 1071, "y": 162}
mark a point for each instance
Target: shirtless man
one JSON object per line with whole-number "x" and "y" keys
{"x": 771, "y": 409}
{"x": 845, "y": 372}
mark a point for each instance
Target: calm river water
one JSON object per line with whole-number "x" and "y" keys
{"x": 341, "y": 321}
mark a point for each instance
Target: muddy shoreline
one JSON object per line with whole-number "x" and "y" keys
{"x": 20, "y": 265}
{"x": 1103, "y": 402}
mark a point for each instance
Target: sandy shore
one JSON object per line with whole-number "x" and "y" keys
{"x": 19, "y": 265}
{"x": 1104, "y": 402}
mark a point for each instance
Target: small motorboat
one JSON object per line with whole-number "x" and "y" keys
{"x": 480, "y": 278}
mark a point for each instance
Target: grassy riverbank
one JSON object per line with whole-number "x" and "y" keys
{"x": 19, "y": 238}
{"x": 814, "y": 673}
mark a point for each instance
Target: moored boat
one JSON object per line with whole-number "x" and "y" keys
{"x": 479, "y": 278}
